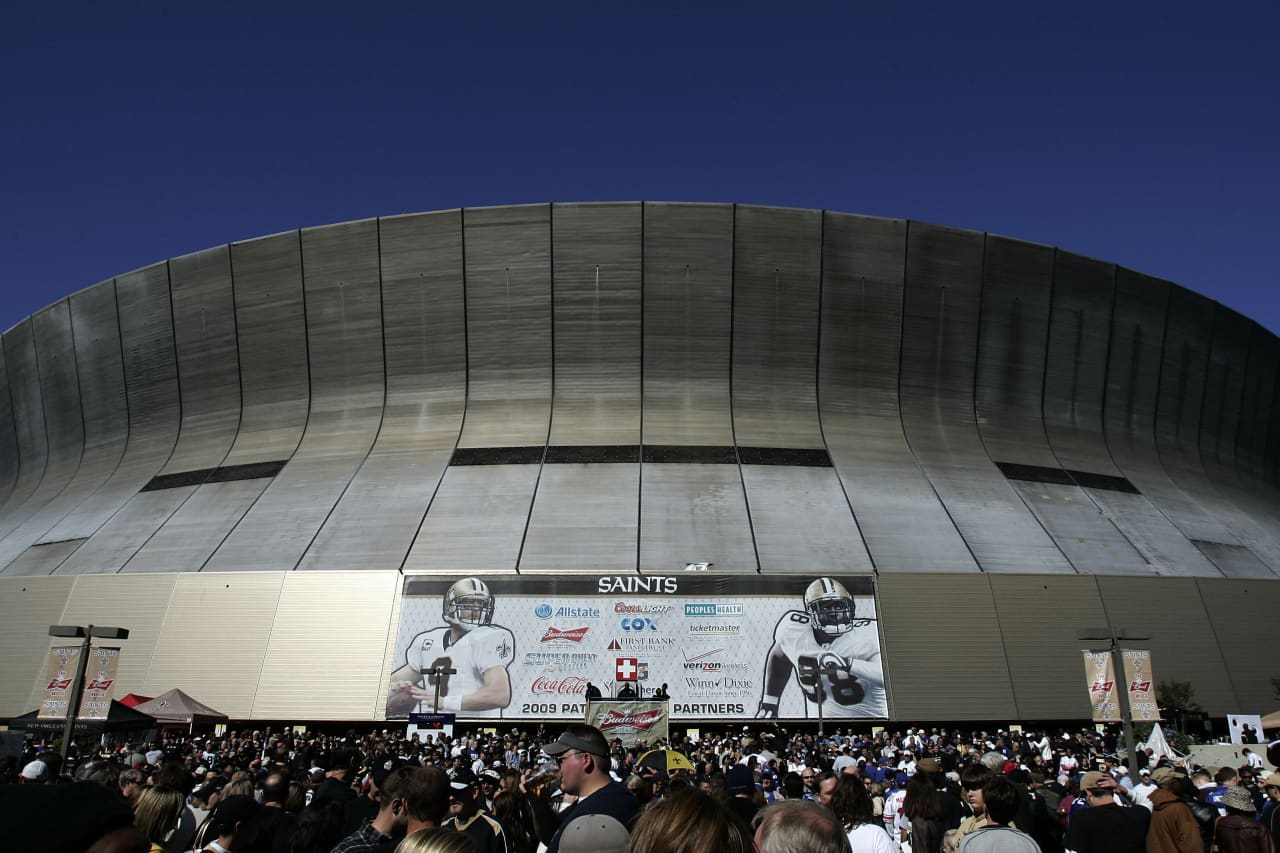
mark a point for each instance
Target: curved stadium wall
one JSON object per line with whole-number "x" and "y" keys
{"x": 242, "y": 452}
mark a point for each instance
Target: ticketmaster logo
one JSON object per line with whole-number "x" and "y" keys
{"x": 715, "y": 629}
{"x": 703, "y": 610}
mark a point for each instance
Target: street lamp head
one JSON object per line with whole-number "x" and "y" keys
{"x": 66, "y": 630}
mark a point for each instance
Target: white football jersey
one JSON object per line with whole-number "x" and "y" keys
{"x": 478, "y": 650}
{"x": 844, "y": 698}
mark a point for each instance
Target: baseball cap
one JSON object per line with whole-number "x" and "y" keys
{"x": 234, "y": 810}
{"x": 928, "y": 765}
{"x": 35, "y": 771}
{"x": 1094, "y": 779}
{"x": 740, "y": 780}
{"x": 595, "y": 833}
{"x": 1271, "y": 779}
{"x": 1162, "y": 774}
{"x": 462, "y": 779}
{"x": 568, "y": 741}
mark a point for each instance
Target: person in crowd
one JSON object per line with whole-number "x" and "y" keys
{"x": 797, "y": 826}
{"x": 1173, "y": 827}
{"x": 233, "y": 824}
{"x": 690, "y": 822}
{"x": 512, "y": 811}
{"x": 972, "y": 779}
{"x": 436, "y": 840}
{"x": 582, "y": 754}
{"x": 390, "y": 821}
{"x": 851, "y": 803}
{"x": 627, "y": 691}
{"x": 426, "y": 802}
{"x": 467, "y": 814}
{"x": 923, "y": 819}
{"x": 157, "y": 810}
{"x": 1239, "y": 830}
{"x": 1000, "y": 800}
{"x": 741, "y": 786}
{"x": 1105, "y": 826}
{"x": 1271, "y": 809}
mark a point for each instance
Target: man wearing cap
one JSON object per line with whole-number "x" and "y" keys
{"x": 1144, "y": 789}
{"x": 1271, "y": 809}
{"x": 35, "y": 773}
{"x": 599, "y": 821}
{"x": 1105, "y": 827}
{"x": 1173, "y": 827}
{"x": 467, "y": 814}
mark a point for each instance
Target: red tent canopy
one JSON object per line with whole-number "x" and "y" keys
{"x": 133, "y": 700}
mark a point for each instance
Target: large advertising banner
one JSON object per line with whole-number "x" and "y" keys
{"x": 726, "y": 646}
{"x": 58, "y": 677}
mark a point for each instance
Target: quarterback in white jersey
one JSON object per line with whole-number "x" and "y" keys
{"x": 834, "y": 656}
{"x": 470, "y": 644}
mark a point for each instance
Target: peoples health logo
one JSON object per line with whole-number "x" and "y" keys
{"x": 709, "y": 610}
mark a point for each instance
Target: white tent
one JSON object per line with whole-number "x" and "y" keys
{"x": 1159, "y": 746}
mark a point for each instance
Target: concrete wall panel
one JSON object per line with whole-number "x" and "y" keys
{"x": 584, "y": 518}
{"x": 862, "y": 269}
{"x": 694, "y": 513}
{"x": 424, "y": 332}
{"x": 28, "y": 606}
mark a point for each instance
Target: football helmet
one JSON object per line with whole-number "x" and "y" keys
{"x": 468, "y": 604}
{"x": 830, "y": 606}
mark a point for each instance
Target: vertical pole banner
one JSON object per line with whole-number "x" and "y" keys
{"x": 1141, "y": 684}
{"x": 58, "y": 676}
{"x": 1100, "y": 677}
{"x": 98, "y": 679}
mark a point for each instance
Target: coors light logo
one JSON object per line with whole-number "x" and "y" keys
{"x": 629, "y": 722}
{"x": 573, "y": 635}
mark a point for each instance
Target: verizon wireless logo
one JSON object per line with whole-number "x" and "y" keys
{"x": 574, "y": 635}
{"x": 629, "y": 721}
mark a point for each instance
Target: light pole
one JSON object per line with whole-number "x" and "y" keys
{"x": 77, "y": 686}
{"x": 1113, "y": 638}
{"x": 437, "y": 675}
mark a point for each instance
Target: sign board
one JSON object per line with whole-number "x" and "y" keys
{"x": 726, "y": 645}
{"x": 1104, "y": 687}
{"x": 629, "y": 721}
{"x": 59, "y": 675}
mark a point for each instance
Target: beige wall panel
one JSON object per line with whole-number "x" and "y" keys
{"x": 1183, "y": 645}
{"x": 327, "y": 644}
{"x": 28, "y": 606}
{"x": 1039, "y": 616}
{"x": 136, "y": 602}
{"x": 389, "y": 660}
{"x": 941, "y": 648}
{"x": 1238, "y": 610}
{"x": 214, "y": 638}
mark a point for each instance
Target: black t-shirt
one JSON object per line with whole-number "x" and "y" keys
{"x": 1108, "y": 829}
{"x": 613, "y": 800}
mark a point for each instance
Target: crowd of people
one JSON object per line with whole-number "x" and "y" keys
{"x": 563, "y": 791}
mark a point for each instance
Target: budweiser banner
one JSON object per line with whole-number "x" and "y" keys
{"x": 632, "y": 722}
{"x": 726, "y": 646}
{"x": 98, "y": 680}
{"x": 1142, "y": 689}
{"x": 1100, "y": 677}
{"x": 59, "y": 675}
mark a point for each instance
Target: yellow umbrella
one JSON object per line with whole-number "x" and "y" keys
{"x": 665, "y": 759}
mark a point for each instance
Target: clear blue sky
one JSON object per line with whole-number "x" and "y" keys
{"x": 138, "y": 131}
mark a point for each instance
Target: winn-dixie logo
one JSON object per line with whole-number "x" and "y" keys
{"x": 708, "y": 609}
{"x": 573, "y": 635}
{"x": 570, "y": 685}
{"x": 629, "y": 721}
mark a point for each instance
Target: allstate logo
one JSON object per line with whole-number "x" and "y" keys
{"x": 543, "y": 611}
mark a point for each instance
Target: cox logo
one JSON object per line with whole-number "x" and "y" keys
{"x": 639, "y": 623}
{"x": 542, "y": 611}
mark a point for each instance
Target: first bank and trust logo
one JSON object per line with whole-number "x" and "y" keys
{"x": 710, "y": 609}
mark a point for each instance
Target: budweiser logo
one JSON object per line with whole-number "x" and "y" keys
{"x": 100, "y": 684}
{"x": 1101, "y": 686}
{"x": 569, "y": 685}
{"x": 574, "y": 635}
{"x": 638, "y": 721}
{"x": 60, "y": 684}
{"x": 1139, "y": 686}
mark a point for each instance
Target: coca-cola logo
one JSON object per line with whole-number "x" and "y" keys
{"x": 569, "y": 685}
{"x": 632, "y": 721}
{"x": 573, "y": 635}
